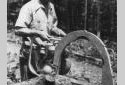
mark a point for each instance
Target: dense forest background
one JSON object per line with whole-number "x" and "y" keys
{"x": 96, "y": 16}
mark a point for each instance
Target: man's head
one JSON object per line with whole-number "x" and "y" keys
{"x": 44, "y": 2}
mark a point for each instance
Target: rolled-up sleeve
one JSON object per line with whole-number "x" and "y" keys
{"x": 53, "y": 13}
{"x": 25, "y": 17}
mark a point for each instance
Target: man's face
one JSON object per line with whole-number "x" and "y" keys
{"x": 44, "y": 1}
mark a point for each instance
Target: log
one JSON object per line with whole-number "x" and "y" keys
{"x": 34, "y": 81}
{"x": 60, "y": 79}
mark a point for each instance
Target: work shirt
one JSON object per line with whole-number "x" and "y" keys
{"x": 33, "y": 15}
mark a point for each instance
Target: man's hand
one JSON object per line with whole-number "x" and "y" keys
{"x": 43, "y": 35}
{"x": 62, "y": 33}
{"x": 58, "y": 31}
{"x": 40, "y": 42}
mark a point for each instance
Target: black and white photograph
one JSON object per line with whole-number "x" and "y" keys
{"x": 61, "y": 42}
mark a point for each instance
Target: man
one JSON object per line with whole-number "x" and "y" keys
{"x": 37, "y": 18}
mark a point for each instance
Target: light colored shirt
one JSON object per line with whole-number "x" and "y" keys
{"x": 33, "y": 16}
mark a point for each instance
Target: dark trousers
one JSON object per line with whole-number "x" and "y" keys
{"x": 37, "y": 61}
{"x": 24, "y": 59}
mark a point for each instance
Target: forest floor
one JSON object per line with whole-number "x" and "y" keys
{"x": 13, "y": 67}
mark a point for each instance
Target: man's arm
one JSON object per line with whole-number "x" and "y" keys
{"x": 23, "y": 21}
{"x": 23, "y": 24}
{"x": 55, "y": 29}
{"x": 58, "y": 31}
{"x": 26, "y": 32}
